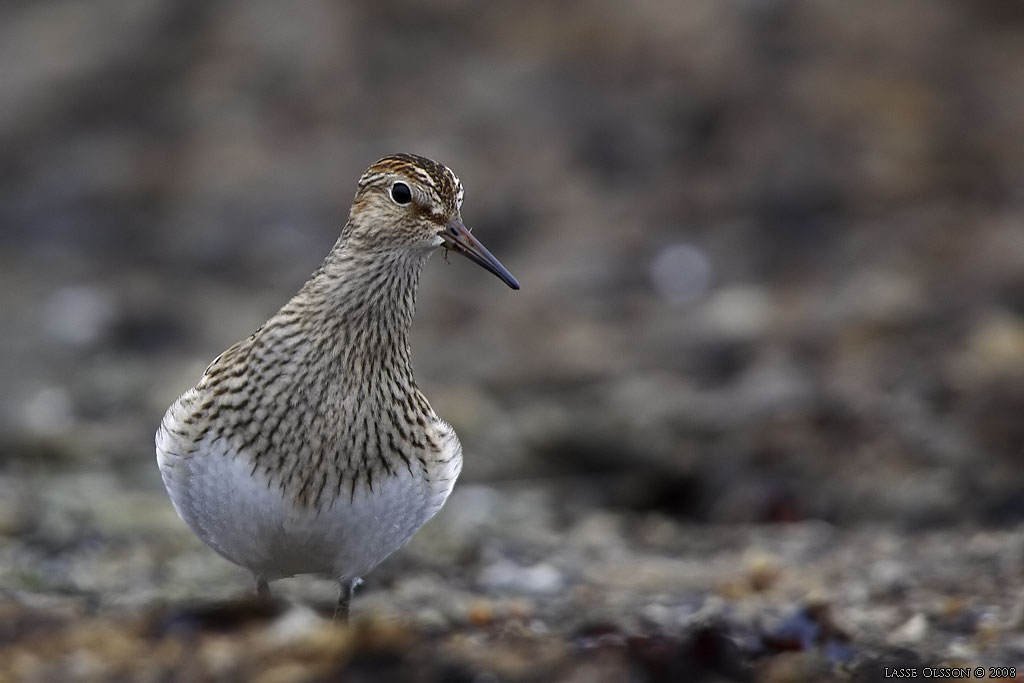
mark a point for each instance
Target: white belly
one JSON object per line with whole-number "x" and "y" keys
{"x": 247, "y": 519}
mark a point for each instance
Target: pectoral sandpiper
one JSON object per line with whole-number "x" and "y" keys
{"x": 307, "y": 448}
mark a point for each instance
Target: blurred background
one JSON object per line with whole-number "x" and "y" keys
{"x": 772, "y": 257}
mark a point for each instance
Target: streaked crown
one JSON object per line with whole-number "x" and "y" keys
{"x": 440, "y": 180}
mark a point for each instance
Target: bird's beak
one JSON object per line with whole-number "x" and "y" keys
{"x": 458, "y": 238}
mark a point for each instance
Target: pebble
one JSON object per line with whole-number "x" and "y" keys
{"x": 681, "y": 274}
{"x": 506, "y": 576}
{"x": 913, "y": 630}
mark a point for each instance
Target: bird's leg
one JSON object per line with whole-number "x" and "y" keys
{"x": 346, "y": 587}
{"x": 262, "y": 588}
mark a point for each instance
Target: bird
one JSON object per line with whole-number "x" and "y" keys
{"x": 307, "y": 447}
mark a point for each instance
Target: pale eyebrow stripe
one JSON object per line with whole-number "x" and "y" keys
{"x": 458, "y": 186}
{"x": 425, "y": 178}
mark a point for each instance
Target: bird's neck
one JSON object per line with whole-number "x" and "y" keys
{"x": 362, "y": 304}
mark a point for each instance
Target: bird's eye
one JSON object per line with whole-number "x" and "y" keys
{"x": 401, "y": 193}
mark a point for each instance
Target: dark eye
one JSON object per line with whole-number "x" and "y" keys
{"x": 401, "y": 193}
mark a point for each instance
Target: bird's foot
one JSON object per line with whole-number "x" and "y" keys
{"x": 341, "y": 609}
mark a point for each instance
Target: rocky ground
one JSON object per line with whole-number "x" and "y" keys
{"x": 756, "y": 414}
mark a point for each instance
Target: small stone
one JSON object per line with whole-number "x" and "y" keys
{"x": 913, "y": 630}
{"x": 540, "y": 579}
{"x": 480, "y": 613}
{"x": 996, "y": 344}
{"x": 295, "y": 624}
{"x": 48, "y": 412}
{"x": 658, "y": 614}
{"x": 681, "y": 274}
{"x": 79, "y": 315}
{"x": 741, "y": 313}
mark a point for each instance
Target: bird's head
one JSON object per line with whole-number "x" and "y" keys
{"x": 404, "y": 201}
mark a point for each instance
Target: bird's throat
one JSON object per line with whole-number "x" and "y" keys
{"x": 364, "y": 303}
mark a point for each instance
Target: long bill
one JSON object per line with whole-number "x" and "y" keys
{"x": 458, "y": 238}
